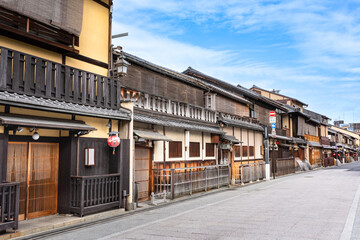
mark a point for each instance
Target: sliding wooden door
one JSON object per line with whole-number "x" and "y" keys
{"x": 35, "y": 166}
{"x": 142, "y": 171}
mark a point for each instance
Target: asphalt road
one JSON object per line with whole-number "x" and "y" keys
{"x": 321, "y": 204}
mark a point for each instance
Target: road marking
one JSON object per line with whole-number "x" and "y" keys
{"x": 167, "y": 218}
{"x": 346, "y": 233}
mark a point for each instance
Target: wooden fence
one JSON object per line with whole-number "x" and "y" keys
{"x": 250, "y": 172}
{"x": 33, "y": 76}
{"x": 283, "y": 166}
{"x": 328, "y": 161}
{"x": 91, "y": 194}
{"x": 9, "y": 205}
{"x": 180, "y": 181}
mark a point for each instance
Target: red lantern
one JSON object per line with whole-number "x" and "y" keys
{"x": 113, "y": 141}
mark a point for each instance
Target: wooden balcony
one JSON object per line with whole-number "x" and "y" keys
{"x": 164, "y": 105}
{"x": 9, "y": 205}
{"x": 240, "y": 118}
{"x": 312, "y": 138}
{"x": 280, "y": 131}
{"x": 25, "y": 74}
{"x": 91, "y": 194}
{"x": 324, "y": 141}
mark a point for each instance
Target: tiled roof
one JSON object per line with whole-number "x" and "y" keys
{"x": 209, "y": 79}
{"x": 242, "y": 124}
{"x": 230, "y": 138}
{"x": 63, "y": 107}
{"x": 167, "y": 121}
{"x": 184, "y": 77}
{"x": 165, "y": 71}
{"x": 254, "y": 86}
{"x": 280, "y": 137}
{"x": 235, "y": 89}
{"x": 315, "y": 144}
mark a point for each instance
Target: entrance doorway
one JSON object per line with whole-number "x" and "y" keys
{"x": 142, "y": 171}
{"x": 35, "y": 167}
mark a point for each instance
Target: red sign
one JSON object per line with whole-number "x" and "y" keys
{"x": 272, "y": 113}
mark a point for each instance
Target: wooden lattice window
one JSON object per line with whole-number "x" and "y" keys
{"x": 175, "y": 149}
{"x": 251, "y": 151}
{"x": 237, "y": 151}
{"x": 210, "y": 152}
{"x": 194, "y": 149}
{"x": 245, "y": 151}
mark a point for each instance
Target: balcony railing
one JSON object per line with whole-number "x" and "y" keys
{"x": 324, "y": 141}
{"x": 91, "y": 194}
{"x": 240, "y": 118}
{"x": 280, "y": 131}
{"x": 9, "y": 205}
{"x": 312, "y": 138}
{"x": 164, "y": 105}
{"x": 33, "y": 76}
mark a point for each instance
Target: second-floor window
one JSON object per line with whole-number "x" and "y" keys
{"x": 210, "y": 150}
{"x": 252, "y": 113}
{"x": 251, "y": 151}
{"x": 210, "y": 101}
{"x": 194, "y": 149}
{"x": 237, "y": 151}
{"x": 175, "y": 149}
{"x": 245, "y": 151}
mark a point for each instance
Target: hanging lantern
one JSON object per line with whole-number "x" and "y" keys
{"x": 113, "y": 140}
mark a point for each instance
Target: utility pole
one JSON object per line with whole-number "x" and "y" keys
{"x": 266, "y": 153}
{"x": 273, "y": 158}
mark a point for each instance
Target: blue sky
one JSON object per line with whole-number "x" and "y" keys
{"x": 308, "y": 49}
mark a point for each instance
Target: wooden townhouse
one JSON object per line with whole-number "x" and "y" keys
{"x": 57, "y": 108}
{"x": 175, "y": 133}
{"x": 306, "y": 128}
{"x": 347, "y": 144}
{"x": 257, "y": 110}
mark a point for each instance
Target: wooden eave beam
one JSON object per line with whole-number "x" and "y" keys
{"x": 35, "y": 40}
{"x": 102, "y": 3}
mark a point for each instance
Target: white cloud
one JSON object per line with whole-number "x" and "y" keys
{"x": 327, "y": 38}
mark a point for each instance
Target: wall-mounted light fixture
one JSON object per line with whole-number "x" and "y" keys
{"x": 36, "y": 135}
{"x": 108, "y": 125}
{"x": 121, "y": 65}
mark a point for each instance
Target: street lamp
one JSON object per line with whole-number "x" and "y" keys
{"x": 121, "y": 65}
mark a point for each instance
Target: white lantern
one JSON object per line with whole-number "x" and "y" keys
{"x": 121, "y": 65}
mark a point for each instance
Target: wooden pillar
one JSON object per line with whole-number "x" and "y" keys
{"x": 4, "y": 141}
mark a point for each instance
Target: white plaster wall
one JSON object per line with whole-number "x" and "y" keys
{"x": 228, "y": 130}
{"x": 258, "y": 143}
{"x": 251, "y": 142}
{"x": 159, "y": 146}
{"x": 244, "y": 137}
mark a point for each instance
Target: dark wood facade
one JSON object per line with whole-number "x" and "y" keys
{"x": 147, "y": 81}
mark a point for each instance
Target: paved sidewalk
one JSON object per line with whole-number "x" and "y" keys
{"x": 313, "y": 205}
{"x": 176, "y": 207}
{"x": 54, "y": 222}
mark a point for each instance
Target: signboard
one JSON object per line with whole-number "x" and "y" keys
{"x": 272, "y": 120}
{"x": 272, "y": 117}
